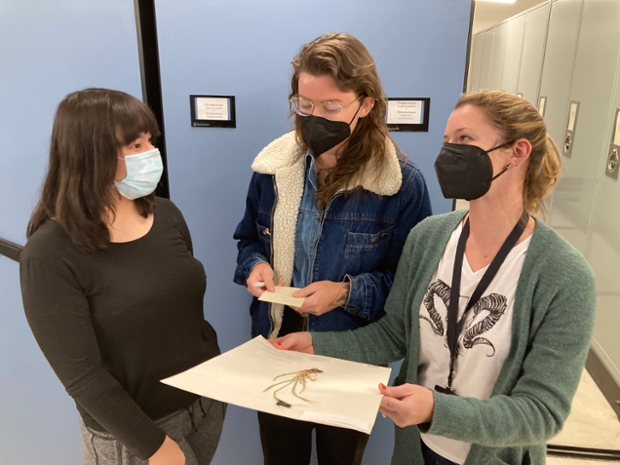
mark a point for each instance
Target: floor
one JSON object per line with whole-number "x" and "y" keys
{"x": 592, "y": 423}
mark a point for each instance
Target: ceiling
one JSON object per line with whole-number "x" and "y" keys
{"x": 488, "y": 14}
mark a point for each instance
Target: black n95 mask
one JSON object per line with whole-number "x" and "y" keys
{"x": 465, "y": 171}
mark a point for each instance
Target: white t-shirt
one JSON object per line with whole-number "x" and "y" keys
{"x": 484, "y": 342}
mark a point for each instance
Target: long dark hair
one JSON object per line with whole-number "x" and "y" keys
{"x": 90, "y": 127}
{"x": 347, "y": 61}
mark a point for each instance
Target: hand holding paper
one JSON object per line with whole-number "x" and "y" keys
{"x": 309, "y": 387}
{"x": 323, "y": 296}
{"x": 283, "y": 295}
{"x": 300, "y": 341}
{"x": 407, "y": 404}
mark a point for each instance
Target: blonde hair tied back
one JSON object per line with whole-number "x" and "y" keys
{"x": 516, "y": 119}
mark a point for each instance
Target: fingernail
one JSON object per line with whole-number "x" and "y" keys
{"x": 382, "y": 386}
{"x": 278, "y": 343}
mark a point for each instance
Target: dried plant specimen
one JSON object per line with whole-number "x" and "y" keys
{"x": 297, "y": 378}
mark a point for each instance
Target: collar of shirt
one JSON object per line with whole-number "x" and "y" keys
{"x": 311, "y": 174}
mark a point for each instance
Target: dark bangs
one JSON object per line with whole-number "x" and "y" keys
{"x": 89, "y": 128}
{"x": 133, "y": 118}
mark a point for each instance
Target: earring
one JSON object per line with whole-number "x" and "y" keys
{"x": 517, "y": 160}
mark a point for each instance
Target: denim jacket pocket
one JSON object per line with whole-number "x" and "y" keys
{"x": 365, "y": 252}
{"x": 264, "y": 236}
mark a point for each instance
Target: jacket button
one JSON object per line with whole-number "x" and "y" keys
{"x": 354, "y": 311}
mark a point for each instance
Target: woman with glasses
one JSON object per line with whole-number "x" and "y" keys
{"x": 328, "y": 209}
{"x": 491, "y": 309}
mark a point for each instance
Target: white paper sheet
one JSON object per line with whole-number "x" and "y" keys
{"x": 212, "y": 108}
{"x": 283, "y": 295}
{"x": 405, "y": 111}
{"x": 345, "y": 394}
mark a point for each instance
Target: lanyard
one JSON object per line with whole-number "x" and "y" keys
{"x": 455, "y": 328}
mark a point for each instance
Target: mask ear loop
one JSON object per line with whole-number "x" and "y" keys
{"x": 358, "y": 110}
{"x": 507, "y": 166}
{"x": 501, "y": 172}
{"x": 501, "y": 146}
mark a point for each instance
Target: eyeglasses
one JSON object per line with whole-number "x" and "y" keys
{"x": 304, "y": 107}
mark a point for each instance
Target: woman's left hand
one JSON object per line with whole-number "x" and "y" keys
{"x": 408, "y": 404}
{"x": 322, "y": 297}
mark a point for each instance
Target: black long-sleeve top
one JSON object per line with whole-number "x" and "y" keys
{"x": 114, "y": 322}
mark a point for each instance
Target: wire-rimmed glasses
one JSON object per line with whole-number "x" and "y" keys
{"x": 330, "y": 110}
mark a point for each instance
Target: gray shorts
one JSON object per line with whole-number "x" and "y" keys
{"x": 196, "y": 429}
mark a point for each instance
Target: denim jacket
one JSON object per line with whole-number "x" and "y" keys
{"x": 361, "y": 238}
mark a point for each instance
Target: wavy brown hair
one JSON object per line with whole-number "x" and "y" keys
{"x": 347, "y": 61}
{"x": 516, "y": 118}
{"x": 89, "y": 129}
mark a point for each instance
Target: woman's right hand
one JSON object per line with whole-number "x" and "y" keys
{"x": 261, "y": 273}
{"x": 168, "y": 454}
{"x": 299, "y": 342}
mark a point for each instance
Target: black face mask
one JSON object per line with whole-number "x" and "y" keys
{"x": 322, "y": 134}
{"x": 465, "y": 171}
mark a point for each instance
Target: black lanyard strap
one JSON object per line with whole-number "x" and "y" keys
{"x": 454, "y": 328}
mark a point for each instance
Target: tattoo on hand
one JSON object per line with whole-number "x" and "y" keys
{"x": 340, "y": 301}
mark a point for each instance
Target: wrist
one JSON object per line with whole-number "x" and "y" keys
{"x": 262, "y": 262}
{"x": 430, "y": 406}
{"x": 343, "y": 293}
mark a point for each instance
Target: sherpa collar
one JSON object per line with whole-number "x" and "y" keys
{"x": 284, "y": 152}
{"x": 284, "y": 159}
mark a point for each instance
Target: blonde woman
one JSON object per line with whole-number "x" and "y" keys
{"x": 491, "y": 309}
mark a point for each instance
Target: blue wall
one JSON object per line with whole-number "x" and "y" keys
{"x": 241, "y": 47}
{"x": 47, "y": 49}
{"x": 244, "y": 48}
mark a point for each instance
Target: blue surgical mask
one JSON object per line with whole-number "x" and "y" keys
{"x": 143, "y": 174}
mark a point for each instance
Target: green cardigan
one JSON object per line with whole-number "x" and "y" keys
{"x": 551, "y": 330}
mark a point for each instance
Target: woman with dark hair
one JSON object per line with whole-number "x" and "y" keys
{"x": 491, "y": 309}
{"x": 328, "y": 209}
{"x": 112, "y": 292}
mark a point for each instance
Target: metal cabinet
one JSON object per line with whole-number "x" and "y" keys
{"x": 592, "y": 89}
{"x": 498, "y": 53}
{"x": 535, "y": 31}
{"x": 603, "y": 246}
{"x": 487, "y": 52}
{"x": 558, "y": 64}
{"x": 473, "y": 82}
{"x": 585, "y": 202}
{"x": 564, "y": 56}
{"x": 512, "y": 60}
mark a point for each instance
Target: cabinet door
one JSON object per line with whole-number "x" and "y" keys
{"x": 592, "y": 87}
{"x": 512, "y": 61}
{"x": 604, "y": 257}
{"x": 536, "y": 21}
{"x": 485, "y": 65}
{"x": 498, "y": 54}
{"x": 558, "y": 65}
{"x": 473, "y": 82}
{"x": 603, "y": 250}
